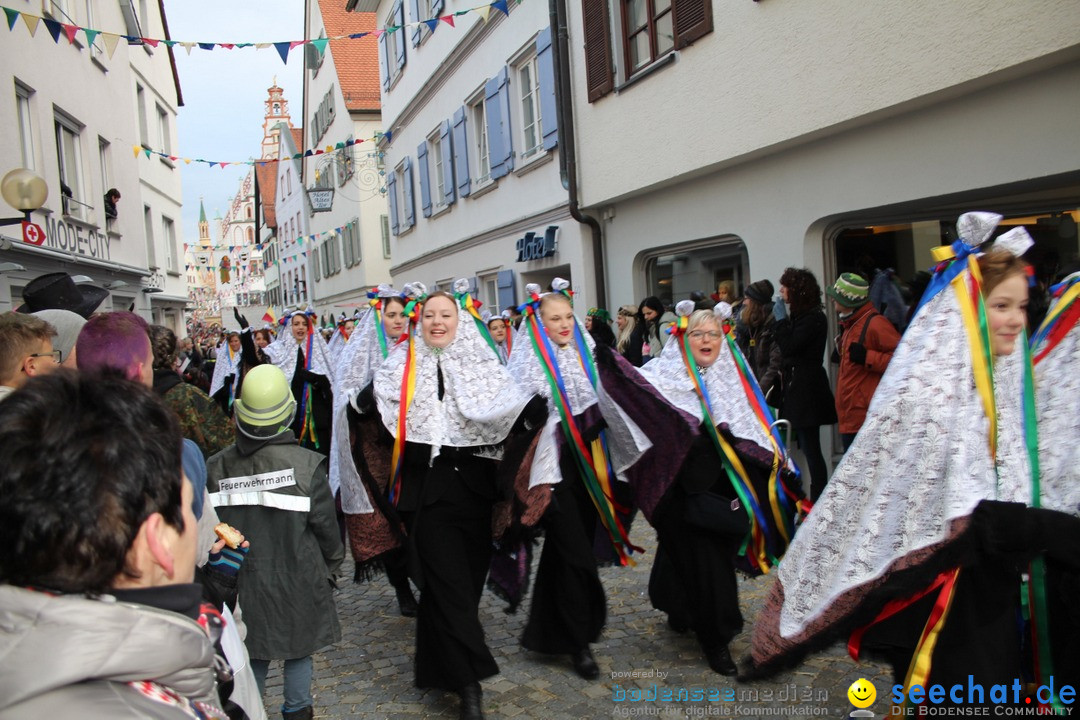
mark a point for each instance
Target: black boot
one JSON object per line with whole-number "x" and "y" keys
{"x": 585, "y": 664}
{"x": 470, "y": 702}
{"x": 306, "y": 713}
{"x": 405, "y": 599}
{"x": 720, "y": 661}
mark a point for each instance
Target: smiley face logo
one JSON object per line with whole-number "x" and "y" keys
{"x": 861, "y": 693}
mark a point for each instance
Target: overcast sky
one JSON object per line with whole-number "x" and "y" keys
{"x": 224, "y": 90}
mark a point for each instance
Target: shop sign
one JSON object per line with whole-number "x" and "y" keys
{"x": 65, "y": 235}
{"x": 535, "y": 246}
{"x": 322, "y": 199}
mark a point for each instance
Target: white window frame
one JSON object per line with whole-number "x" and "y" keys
{"x": 70, "y": 159}
{"x": 392, "y": 40}
{"x": 168, "y": 236}
{"x": 144, "y": 127}
{"x": 529, "y": 94}
{"x": 480, "y": 151}
{"x": 436, "y": 186}
{"x": 148, "y": 227}
{"x": 490, "y": 286}
{"x": 399, "y": 191}
{"x": 164, "y": 133}
{"x": 25, "y": 115}
{"x": 384, "y": 222}
{"x": 97, "y": 53}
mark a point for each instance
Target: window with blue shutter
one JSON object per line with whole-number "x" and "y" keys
{"x": 414, "y": 33}
{"x": 447, "y": 150}
{"x": 407, "y": 194}
{"x": 545, "y": 63}
{"x": 399, "y": 20}
{"x": 384, "y": 61}
{"x": 391, "y": 197}
{"x": 497, "y": 106}
{"x": 437, "y": 7}
{"x": 425, "y": 184}
{"x": 461, "y": 153}
{"x": 507, "y": 294}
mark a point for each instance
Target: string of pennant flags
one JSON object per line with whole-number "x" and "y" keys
{"x": 142, "y": 150}
{"x": 301, "y": 241}
{"x": 283, "y": 47}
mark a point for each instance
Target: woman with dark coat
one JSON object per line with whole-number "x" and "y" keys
{"x": 646, "y": 340}
{"x": 807, "y": 400}
{"x": 755, "y": 334}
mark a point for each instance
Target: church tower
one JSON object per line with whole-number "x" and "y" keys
{"x": 204, "y": 227}
{"x": 277, "y": 111}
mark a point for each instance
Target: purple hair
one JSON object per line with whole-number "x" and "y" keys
{"x": 114, "y": 342}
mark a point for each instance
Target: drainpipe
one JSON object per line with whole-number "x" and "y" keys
{"x": 567, "y": 150}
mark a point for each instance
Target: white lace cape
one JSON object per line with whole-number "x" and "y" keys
{"x": 920, "y": 461}
{"x": 282, "y": 352}
{"x": 625, "y": 440}
{"x": 481, "y": 402}
{"x": 226, "y": 364}
{"x": 355, "y": 370}
{"x": 1057, "y": 405}
{"x": 727, "y": 399}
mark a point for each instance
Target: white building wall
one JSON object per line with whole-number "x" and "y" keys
{"x": 357, "y": 196}
{"x": 477, "y": 236}
{"x": 292, "y": 213}
{"x": 94, "y": 95}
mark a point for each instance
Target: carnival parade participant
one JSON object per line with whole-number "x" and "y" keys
{"x": 301, "y": 354}
{"x": 498, "y": 327}
{"x": 918, "y": 544}
{"x": 228, "y": 369}
{"x": 373, "y": 538}
{"x": 729, "y": 491}
{"x": 583, "y": 463}
{"x": 449, "y": 404}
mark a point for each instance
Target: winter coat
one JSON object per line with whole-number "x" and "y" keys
{"x": 855, "y": 383}
{"x": 807, "y": 400}
{"x": 68, "y": 656}
{"x": 201, "y": 419}
{"x": 759, "y": 346}
{"x": 635, "y": 348}
{"x": 278, "y": 495}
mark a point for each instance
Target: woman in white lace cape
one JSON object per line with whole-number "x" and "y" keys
{"x": 312, "y": 385}
{"x": 908, "y": 486}
{"x": 462, "y": 408}
{"x": 227, "y": 364}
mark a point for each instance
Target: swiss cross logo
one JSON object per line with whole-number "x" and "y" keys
{"x": 32, "y": 233}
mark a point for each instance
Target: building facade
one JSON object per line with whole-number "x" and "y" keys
{"x": 349, "y": 251}
{"x": 74, "y": 112}
{"x": 472, "y": 153}
{"x": 727, "y": 140}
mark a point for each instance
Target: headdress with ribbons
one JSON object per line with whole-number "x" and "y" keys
{"x": 592, "y": 459}
{"x": 928, "y": 452}
{"x": 729, "y": 381}
{"x": 417, "y": 294}
{"x": 472, "y": 306}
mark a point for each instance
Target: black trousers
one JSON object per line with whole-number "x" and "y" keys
{"x": 452, "y": 536}
{"x": 568, "y": 602}
{"x": 693, "y": 576}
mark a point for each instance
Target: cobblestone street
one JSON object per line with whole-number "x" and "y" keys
{"x": 369, "y": 673}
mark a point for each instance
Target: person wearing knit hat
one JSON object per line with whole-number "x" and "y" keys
{"x": 754, "y": 333}
{"x": 67, "y": 325}
{"x": 849, "y": 291}
{"x": 760, "y": 292}
{"x": 863, "y": 350}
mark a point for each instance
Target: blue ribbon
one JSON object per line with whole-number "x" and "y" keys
{"x": 944, "y": 276}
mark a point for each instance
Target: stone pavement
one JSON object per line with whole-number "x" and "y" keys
{"x": 369, "y": 673}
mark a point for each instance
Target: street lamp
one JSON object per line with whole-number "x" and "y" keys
{"x": 24, "y": 191}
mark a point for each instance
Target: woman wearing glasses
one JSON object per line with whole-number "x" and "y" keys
{"x": 721, "y": 500}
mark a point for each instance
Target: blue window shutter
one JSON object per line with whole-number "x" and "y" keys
{"x": 446, "y": 148}
{"x": 399, "y": 20}
{"x": 407, "y": 195}
{"x": 414, "y": 33}
{"x": 384, "y": 62}
{"x": 497, "y": 106}
{"x": 545, "y": 63}
{"x": 391, "y": 196}
{"x": 504, "y": 281}
{"x": 425, "y": 183}
{"x": 461, "y": 153}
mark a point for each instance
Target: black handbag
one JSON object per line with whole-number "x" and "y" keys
{"x": 717, "y": 514}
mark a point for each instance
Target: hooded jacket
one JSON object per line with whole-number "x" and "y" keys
{"x": 72, "y": 656}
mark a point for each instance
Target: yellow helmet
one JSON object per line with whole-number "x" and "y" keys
{"x": 266, "y": 406}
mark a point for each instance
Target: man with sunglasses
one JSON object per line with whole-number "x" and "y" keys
{"x": 26, "y": 350}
